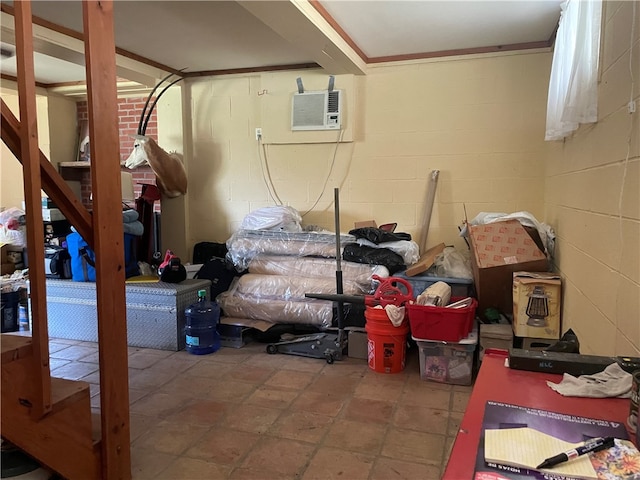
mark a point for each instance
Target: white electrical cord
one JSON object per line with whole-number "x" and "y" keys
{"x": 266, "y": 174}
{"x": 326, "y": 180}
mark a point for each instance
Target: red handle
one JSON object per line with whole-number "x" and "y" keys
{"x": 389, "y": 293}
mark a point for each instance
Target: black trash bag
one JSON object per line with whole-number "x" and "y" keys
{"x": 567, "y": 344}
{"x": 220, "y": 272}
{"x": 373, "y": 256}
{"x": 377, "y": 235}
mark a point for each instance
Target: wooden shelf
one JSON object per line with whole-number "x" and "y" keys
{"x": 75, "y": 164}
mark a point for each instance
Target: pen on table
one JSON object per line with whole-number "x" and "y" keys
{"x": 593, "y": 445}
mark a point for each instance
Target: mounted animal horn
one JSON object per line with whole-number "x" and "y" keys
{"x": 142, "y": 121}
{"x": 168, "y": 167}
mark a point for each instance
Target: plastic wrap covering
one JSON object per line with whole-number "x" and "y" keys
{"x": 278, "y": 299}
{"x": 244, "y": 245}
{"x": 289, "y": 288}
{"x": 318, "y": 268}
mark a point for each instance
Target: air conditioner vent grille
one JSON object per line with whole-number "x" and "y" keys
{"x": 316, "y": 110}
{"x": 333, "y": 102}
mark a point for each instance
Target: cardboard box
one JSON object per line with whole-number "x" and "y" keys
{"x": 499, "y": 249}
{"x": 357, "y": 343}
{"x": 537, "y": 304}
{"x": 495, "y": 335}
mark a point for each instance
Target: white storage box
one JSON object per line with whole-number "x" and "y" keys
{"x": 448, "y": 362}
{"x": 155, "y": 311}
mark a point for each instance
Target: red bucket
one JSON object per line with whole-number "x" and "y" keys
{"x": 386, "y": 344}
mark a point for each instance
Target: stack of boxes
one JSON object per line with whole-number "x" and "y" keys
{"x": 511, "y": 274}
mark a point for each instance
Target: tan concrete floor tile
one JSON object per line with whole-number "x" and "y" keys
{"x": 318, "y": 402}
{"x": 227, "y": 355}
{"x": 377, "y": 388}
{"x": 391, "y": 469}
{"x": 141, "y": 360}
{"x": 251, "y": 418}
{"x": 199, "y": 411}
{"x": 73, "y": 352}
{"x": 356, "y": 436}
{"x": 249, "y": 374}
{"x": 230, "y": 391}
{"x": 150, "y": 378}
{"x": 290, "y": 379}
{"x": 303, "y": 426}
{"x": 334, "y": 384}
{"x": 56, "y": 363}
{"x": 459, "y": 401}
{"x": 266, "y": 396}
{"x": 414, "y": 446}
{"x": 425, "y": 395}
{"x": 139, "y": 424}
{"x": 428, "y": 420}
{"x": 367, "y": 410}
{"x": 147, "y": 464}
{"x": 74, "y": 370}
{"x": 194, "y": 469}
{"x": 160, "y": 404}
{"x": 56, "y": 346}
{"x": 223, "y": 445}
{"x": 207, "y": 370}
{"x": 349, "y": 367}
{"x": 335, "y": 463}
{"x": 170, "y": 437}
{"x": 242, "y": 473}
{"x": 196, "y": 386}
{"x": 303, "y": 364}
{"x": 455, "y": 419}
{"x": 279, "y": 455}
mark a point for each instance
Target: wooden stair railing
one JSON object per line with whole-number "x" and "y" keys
{"x": 47, "y": 417}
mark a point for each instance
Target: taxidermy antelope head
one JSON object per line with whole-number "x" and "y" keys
{"x": 168, "y": 167}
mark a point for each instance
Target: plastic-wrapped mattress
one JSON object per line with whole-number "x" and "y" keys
{"x": 244, "y": 245}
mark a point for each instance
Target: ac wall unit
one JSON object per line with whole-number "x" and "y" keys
{"x": 316, "y": 110}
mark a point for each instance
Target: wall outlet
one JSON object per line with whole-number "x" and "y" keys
{"x": 258, "y": 134}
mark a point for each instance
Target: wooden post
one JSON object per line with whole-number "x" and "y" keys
{"x": 108, "y": 237}
{"x": 30, "y": 153}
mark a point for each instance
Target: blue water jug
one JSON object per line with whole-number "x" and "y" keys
{"x": 201, "y": 332}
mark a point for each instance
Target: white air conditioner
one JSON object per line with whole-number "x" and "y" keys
{"x": 316, "y": 110}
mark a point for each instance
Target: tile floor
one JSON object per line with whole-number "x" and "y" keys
{"x": 245, "y": 414}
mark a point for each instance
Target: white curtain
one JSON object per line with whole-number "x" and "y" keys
{"x": 573, "y": 87}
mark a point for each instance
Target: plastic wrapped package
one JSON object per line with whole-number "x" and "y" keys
{"x": 289, "y": 288}
{"x": 244, "y": 245}
{"x": 316, "y": 312}
{"x": 318, "y": 268}
{"x": 453, "y": 263}
{"x": 276, "y": 218}
{"x": 280, "y": 299}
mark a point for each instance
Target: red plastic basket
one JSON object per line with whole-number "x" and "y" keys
{"x": 441, "y": 323}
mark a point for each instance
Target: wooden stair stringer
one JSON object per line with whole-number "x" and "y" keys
{"x": 63, "y": 439}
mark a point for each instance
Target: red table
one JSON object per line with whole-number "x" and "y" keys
{"x": 517, "y": 387}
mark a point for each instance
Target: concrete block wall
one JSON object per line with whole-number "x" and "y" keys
{"x": 478, "y": 120}
{"x": 592, "y": 198}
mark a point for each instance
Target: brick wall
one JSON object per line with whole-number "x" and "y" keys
{"x": 129, "y": 110}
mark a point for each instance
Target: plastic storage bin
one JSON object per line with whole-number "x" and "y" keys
{"x": 441, "y": 323}
{"x": 448, "y": 362}
{"x": 460, "y": 287}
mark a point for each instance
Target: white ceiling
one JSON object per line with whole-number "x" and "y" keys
{"x": 206, "y": 36}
